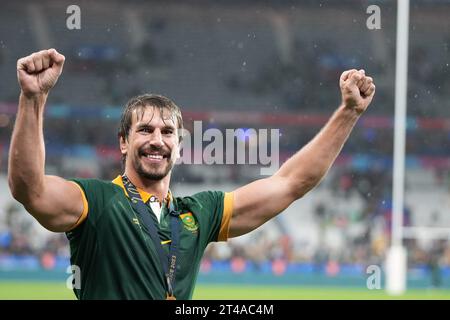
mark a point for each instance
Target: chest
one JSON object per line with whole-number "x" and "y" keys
{"x": 124, "y": 226}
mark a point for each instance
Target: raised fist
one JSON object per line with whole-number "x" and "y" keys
{"x": 357, "y": 90}
{"x": 38, "y": 72}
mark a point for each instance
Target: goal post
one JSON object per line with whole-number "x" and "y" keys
{"x": 396, "y": 260}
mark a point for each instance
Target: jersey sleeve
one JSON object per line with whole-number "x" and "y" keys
{"x": 91, "y": 190}
{"x": 214, "y": 211}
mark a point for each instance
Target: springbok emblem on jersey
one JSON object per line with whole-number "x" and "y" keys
{"x": 189, "y": 221}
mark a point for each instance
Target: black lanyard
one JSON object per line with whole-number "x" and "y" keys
{"x": 168, "y": 262}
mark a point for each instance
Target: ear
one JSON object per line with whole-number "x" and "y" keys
{"x": 123, "y": 146}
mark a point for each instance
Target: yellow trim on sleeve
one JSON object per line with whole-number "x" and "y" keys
{"x": 226, "y": 217}
{"x": 83, "y": 215}
{"x": 166, "y": 242}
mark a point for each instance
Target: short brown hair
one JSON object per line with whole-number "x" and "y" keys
{"x": 139, "y": 103}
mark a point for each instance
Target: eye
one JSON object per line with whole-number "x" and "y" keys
{"x": 145, "y": 130}
{"x": 167, "y": 131}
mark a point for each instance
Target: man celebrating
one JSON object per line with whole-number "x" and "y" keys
{"x": 131, "y": 238}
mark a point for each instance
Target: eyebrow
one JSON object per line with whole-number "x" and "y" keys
{"x": 147, "y": 125}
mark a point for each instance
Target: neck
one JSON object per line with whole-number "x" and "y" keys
{"x": 158, "y": 188}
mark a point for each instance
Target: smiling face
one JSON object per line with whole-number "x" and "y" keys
{"x": 152, "y": 145}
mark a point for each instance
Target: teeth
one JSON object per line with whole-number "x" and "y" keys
{"x": 154, "y": 156}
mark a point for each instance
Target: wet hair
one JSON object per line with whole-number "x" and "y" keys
{"x": 140, "y": 104}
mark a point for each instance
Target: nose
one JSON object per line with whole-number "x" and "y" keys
{"x": 156, "y": 139}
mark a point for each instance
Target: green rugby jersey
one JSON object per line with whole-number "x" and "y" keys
{"x": 116, "y": 256}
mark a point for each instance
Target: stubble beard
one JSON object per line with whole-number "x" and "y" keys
{"x": 154, "y": 174}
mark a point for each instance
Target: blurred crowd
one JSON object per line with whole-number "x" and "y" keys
{"x": 21, "y": 237}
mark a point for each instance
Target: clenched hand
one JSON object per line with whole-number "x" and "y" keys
{"x": 357, "y": 90}
{"x": 38, "y": 72}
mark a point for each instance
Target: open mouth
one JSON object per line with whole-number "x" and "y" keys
{"x": 153, "y": 156}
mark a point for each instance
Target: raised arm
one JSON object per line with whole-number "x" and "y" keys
{"x": 56, "y": 203}
{"x": 260, "y": 201}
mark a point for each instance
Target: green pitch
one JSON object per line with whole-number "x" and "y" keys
{"x": 56, "y": 290}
